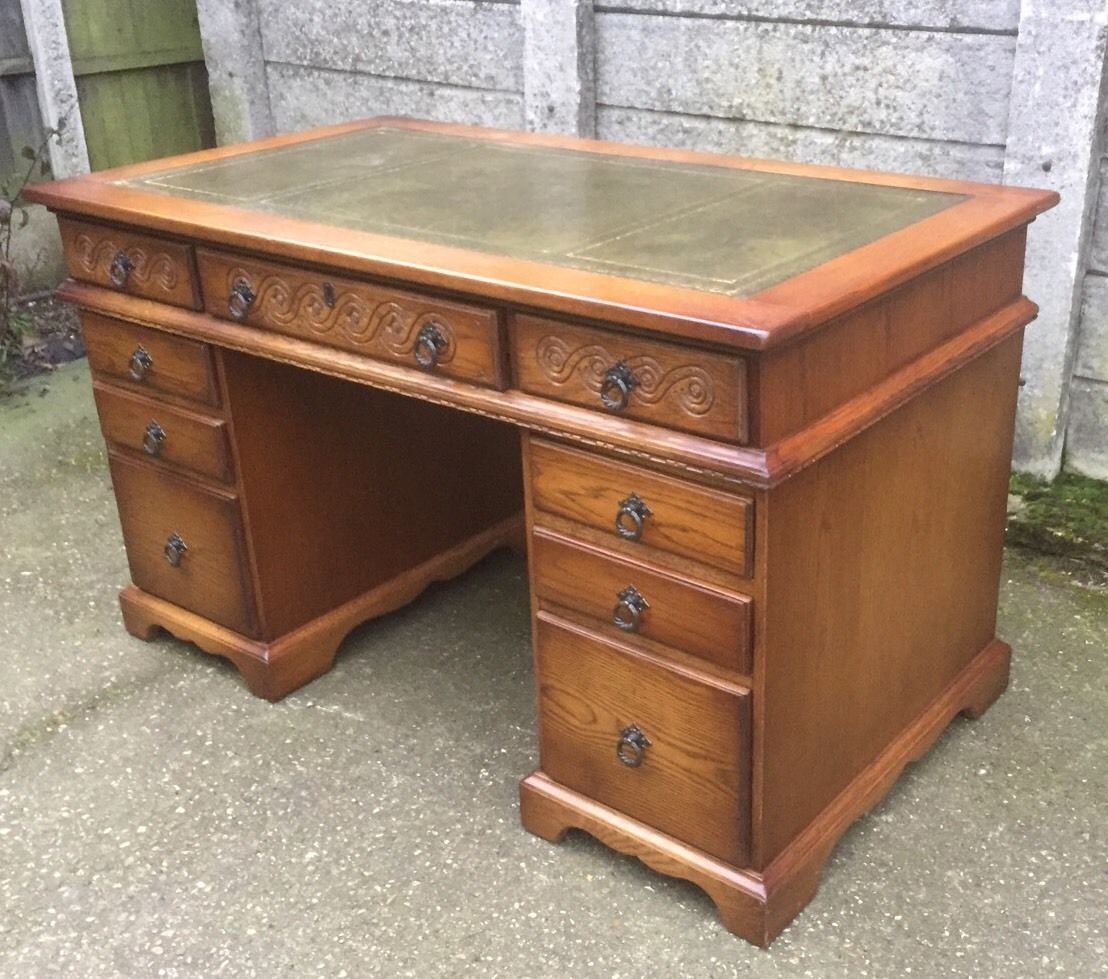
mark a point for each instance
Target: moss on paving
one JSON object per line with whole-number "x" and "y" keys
{"x": 1068, "y": 517}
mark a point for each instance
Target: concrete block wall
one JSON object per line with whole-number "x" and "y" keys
{"x": 1087, "y": 439}
{"x": 994, "y": 90}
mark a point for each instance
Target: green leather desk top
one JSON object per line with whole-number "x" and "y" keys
{"x": 710, "y": 228}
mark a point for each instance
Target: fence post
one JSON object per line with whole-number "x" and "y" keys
{"x": 1053, "y": 141}
{"x": 57, "y": 88}
{"x": 559, "y": 66}
{"x": 232, "y": 39}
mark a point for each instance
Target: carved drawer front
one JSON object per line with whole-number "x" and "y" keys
{"x": 184, "y": 543}
{"x": 653, "y": 742}
{"x": 642, "y": 510}
{"x": 435, "y": 335}
{"x": 149, "y": 360}
{"x": 628, "y": 600}
{"x": 126, "y": 261}
{"x": 631, "y": 376}
{"x": 174, "y": 436}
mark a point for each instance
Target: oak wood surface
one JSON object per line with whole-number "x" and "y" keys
{"x": 212, "y": 578}
{"x": 883, "y": 568}
{"x": 768, "y": 319}
{"x": 189, "y": 440}
{"x": 682, "y": 452}
{"x": 682, "y": 613}
{"x": 178, "y": 367}
{"x": 754, "y": 905}
{"x": 358, "y": 316}
{"x": 344, "y": 487}
{"x": 159, "y": 268}
{"x": 686, "y": 388}
{"x": 697, "y": 522}
{"x": 693, "y": 781}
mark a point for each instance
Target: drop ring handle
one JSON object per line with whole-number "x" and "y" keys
{"x": 615, "y": 389}
{"x": 631, "y": 746}
{"x": 630, "y": 605}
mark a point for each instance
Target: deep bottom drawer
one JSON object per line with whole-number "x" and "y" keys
{"x": 691, "y": 780}
{"x": 209, "y": 575}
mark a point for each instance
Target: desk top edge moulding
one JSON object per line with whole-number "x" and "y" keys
{"x": 751, "y": 420}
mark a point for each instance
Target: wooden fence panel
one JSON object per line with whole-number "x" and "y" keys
{"x": 141, "y": 78}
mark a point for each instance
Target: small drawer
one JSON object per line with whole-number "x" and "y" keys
{"x": 686, "y": 388}
{"x": 630, "y": 599}
{"x": 171, "y": 435}
{"x": 647, "y": 740}
{"x": 643, "y": 507}
{"x": 149, "y": 360}
{"x": 184, "y": 543}
{"x": 126, "y": 261}
{"x": 436, "y": 335}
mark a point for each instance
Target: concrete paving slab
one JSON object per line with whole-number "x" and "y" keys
{"x": 157, "y": 820}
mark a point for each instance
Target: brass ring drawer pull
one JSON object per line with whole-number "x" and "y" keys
{"x": 630, "y": 516}
{"x": 175, "y": 549}
{"x": 140, "y": 364}
{"x": 615, "y": 389}
{"x": 429, "y": 345}
{"x": 630, "y": 605}
{"x": 120, "y": 269}
{"x": 632, "y": 745}
{"x": 153, "y": 438}
{"x": 240, "y": 299}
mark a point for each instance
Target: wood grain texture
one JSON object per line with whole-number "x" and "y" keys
{"x": 159, "y": 268}
{"x": 363, "y": 317}
{"x": 686, "y": 388}
{"x": 344, "y": 487}
{"x": 758, "y": 906}
{"x": 883, "y": 566}
{"x": 190, "y": 441}
{"x": 775, "y": 316}
{"x": 682, "y": 613}
{"x": 697, "y": 522}
{"x": 804, "y": 381}
{"x": 212, "y": 578}
{"x": 693, "y": 782}
{"x": 178, "y": 368}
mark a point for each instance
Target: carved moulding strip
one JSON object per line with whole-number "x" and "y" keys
{"x": 385, "y": 325}
{"x": 95, "y": 257}
{"x": 691, "y": 387}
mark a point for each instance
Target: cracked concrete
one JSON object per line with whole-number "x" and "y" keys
{"x": 157, "y": 820}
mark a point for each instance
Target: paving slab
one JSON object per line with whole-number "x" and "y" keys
{"x": 157, "y": 820}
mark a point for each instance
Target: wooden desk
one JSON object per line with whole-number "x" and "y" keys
{"x": 766, "y": 415}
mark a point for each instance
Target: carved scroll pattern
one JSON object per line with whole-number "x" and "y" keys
{"x": 386, "y": 325}
{"x": 691, "y": 387}
{"x": 95, "y": 257}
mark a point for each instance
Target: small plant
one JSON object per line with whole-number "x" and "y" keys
{"x": 15, "y": 324}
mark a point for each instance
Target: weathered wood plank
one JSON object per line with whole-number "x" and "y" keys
{"x": 140, "y": 115}
{"x": 908, "y": 83}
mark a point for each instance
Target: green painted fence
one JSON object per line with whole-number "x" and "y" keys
{"x": 141, "y": 79}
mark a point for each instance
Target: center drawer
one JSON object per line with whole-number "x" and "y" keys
{"x": 651, "y": 741}
{"x": 438, "y": 335}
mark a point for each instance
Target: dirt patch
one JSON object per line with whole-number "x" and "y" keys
{"x": 52, "y": 337}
